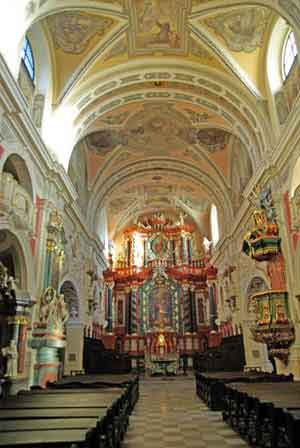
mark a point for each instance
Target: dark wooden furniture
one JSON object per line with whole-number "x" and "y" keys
{"x": 265, "y": 414}
{"x": 210, "y": 387}
{"x": 91, "y": 417}
{"x": 228, "y": 356}
{"x": 98, "y": 359}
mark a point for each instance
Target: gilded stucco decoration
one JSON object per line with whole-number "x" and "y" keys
{"x": 243, "y": 30}
{"x": 72, "y": 31}
{"x": 158, "y": 26}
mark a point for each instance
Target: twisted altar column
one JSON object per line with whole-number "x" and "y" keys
{"x": 187, "y": 325}
{"x": 133, "y": 309}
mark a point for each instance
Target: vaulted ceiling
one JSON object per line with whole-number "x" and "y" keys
{"x": 170, "y": 99}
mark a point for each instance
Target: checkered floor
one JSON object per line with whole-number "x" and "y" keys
{"x": 169, "y": 415}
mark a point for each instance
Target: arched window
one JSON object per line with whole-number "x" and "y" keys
{"x": 214, "y": 222}
{"x": 27, "y": 59}
{"x": 289, "y": 54}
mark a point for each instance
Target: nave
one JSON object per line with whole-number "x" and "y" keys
{"x": 170, "y": 415}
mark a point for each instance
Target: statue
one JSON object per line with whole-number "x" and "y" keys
{"x": 3, "y": 276}
{"x": 61, "y": 314}
{"x": 47, "y": 304}
{"x": 11, "y": 354}
{"x": 53, "y": 310}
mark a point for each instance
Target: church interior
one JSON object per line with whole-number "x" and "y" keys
{"x": 150, "y": 223}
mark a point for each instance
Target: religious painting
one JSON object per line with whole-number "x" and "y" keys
{"x": 159, "y": 246}
{"x": 158, "y": 26}
{"x": 160, "y": 307}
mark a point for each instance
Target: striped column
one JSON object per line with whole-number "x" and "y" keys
{"x": 133, "y": 326}
{"x": 187, "y": 309}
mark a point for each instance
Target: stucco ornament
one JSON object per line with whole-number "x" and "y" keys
{"x": 72, "y": 32}
{"x": 243, "y": 30}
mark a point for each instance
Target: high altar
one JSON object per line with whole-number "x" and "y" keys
{"x": 157, "y": 294}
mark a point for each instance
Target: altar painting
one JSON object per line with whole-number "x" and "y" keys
{"x": 160, "y": 308}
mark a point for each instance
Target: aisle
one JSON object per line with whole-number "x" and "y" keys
{"x": 170, "y": 415}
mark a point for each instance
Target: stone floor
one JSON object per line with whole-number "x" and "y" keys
{"x": 170, "y": 415}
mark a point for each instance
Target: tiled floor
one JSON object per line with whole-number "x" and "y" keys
{"x": 170, "y": 415}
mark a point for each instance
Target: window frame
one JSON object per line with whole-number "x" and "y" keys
{"x": 287, "y": 42}
{"x": 27, "y": 59}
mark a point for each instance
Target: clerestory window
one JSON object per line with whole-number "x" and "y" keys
{"x": 27, "y": 59}
{"x": 289, "y": 54}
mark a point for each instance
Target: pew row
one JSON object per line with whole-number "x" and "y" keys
{"x": 210, "y": 387}
{"x": 89, "y": 418}
{"x": 266, "y": 414}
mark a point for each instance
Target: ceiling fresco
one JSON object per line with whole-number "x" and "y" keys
{"x": 243, "y": 30}
{"x": 168, "y": 101}
{"x": 158, "y": 26}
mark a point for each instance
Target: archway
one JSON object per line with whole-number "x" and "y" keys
{"x": 16, "y": 166}
{"x": 12, "y": 256}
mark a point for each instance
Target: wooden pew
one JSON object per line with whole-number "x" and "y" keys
{"x": 67, "y": 438}
{"x": 88, "y": 417}
{"x": 210, "y": 387}
{"x": 107, "y": 405}
{"x": 264, "y": 414}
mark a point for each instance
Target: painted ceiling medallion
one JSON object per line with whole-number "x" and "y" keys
{"x": 158, "y": 26}
{"x": 72, "y": 31}
{"x": 243, "y": 30}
